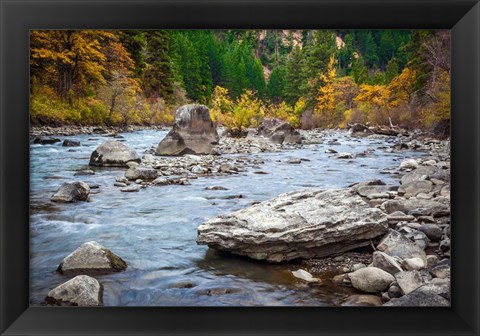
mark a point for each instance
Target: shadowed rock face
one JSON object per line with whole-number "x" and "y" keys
{"x": 113, "y": 154}
{"x": 193, "y": 132}
{"x": 303, "y": 224}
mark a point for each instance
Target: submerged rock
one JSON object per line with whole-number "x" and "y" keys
{"x": 91, "y": 258}
{"x": 113, "y": 154}
{"x": 193, "y": 132}
{"x": 304, "y": 275}
{"x": 79, "y": 291}
{"x": 301, "y": 224}
{"x": 362, "y": 300}
{"x": 70, "y": 143}
{"x": 71, "y": 192}
{"x": 45, "y": 141}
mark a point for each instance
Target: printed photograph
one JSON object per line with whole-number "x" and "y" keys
{"x": 240, "y": 168}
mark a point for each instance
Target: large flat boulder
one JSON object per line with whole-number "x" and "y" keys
{"x": 91, "y": 258}
{"x": 80, "y": 291}
{"x": 301, "y": 224}
{"x": 279, "y": 131}
{"x": 113, "y": 154}
{"x": 193, "y": 132}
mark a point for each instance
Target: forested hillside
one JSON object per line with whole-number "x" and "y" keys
{"x": 311, "y": 78}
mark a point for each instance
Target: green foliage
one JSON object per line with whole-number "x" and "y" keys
{"x": 135, "y": 76}
{"x": 391, "y": 71}
{"x": 158, "y": 76}
{"x": 276, "y": 85}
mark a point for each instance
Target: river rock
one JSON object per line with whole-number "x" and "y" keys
{"x": 82, "y": 290}
{"x": 70, "y": 143}
{"x": 424, "y": 296}
{"x": 397, "y": 245}
{"x": 359, "y": 129}
{"x": 46, "y": 141}
{"x": 412, "y": 264}
{"x": 301, "y": 224}
{"x": 131, "y": 188}
{"x": 344, "y": 155}
{"x": 414, "y": 188}
{"x": 385, "y": 262}
{"x": 304, "y": 275}
{"x": 71, "y": 192}
{"x": 422, "y": 173}
{"x": 432, "y": 231}
{"x": 91, "y": 258}
{"x": 409, "y": 164}
{"x": 160, "y": 181}
{"x": 416, "y": 236}
{"x": 113, "y": 154}
{"x": 371, "y": 279}
{"x": 143, "y": 173}
{"x": 394, "y": 291}
{"x": 441, "y": 270}
{"x": 193, "y": 132}
{"x": 84, "y": 172}
{"x": 279, "y": 131}
{"x": 408, "y": 281}
{"x": 366, "y": 191}
{"x": 399, "y": 216}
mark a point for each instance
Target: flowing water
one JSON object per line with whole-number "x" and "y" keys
{"x": 154, "y": 230}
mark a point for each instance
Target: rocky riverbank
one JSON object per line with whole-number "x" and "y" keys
{"x": 69, "y": 130}
{"x": 407, "y": 227}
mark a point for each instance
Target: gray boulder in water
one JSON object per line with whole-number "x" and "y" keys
{"x": 91, "y": 258}
{"x": 279, "y": 131}
{"x": 301, "y": 224}
{"x": 79, "y": 291}
{"x": 193, "y": 132}
{"x": 113, "y": 154}
{"x": 71, "y": 192}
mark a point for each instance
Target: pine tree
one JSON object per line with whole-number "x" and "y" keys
{"x": 295, "y": 78}
{"x": 158, "y": 76}
{"x": 276, "y": 85}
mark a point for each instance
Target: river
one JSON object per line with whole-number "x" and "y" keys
{"x": 154, "y": 230}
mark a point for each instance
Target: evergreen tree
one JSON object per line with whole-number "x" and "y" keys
{"x": 258, "y": 79}
{"x": 392, "y": 70}
{"x": 135, "y": 41}
{"x": 360, "y": 71}
{"x": 295, "y": 78}
{"x": 276, "y": 85}
{"x": 158, "y": 76}
{"x": 317, "y": 57}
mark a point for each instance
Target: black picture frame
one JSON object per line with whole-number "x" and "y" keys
{"x": 17, "y": 17}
